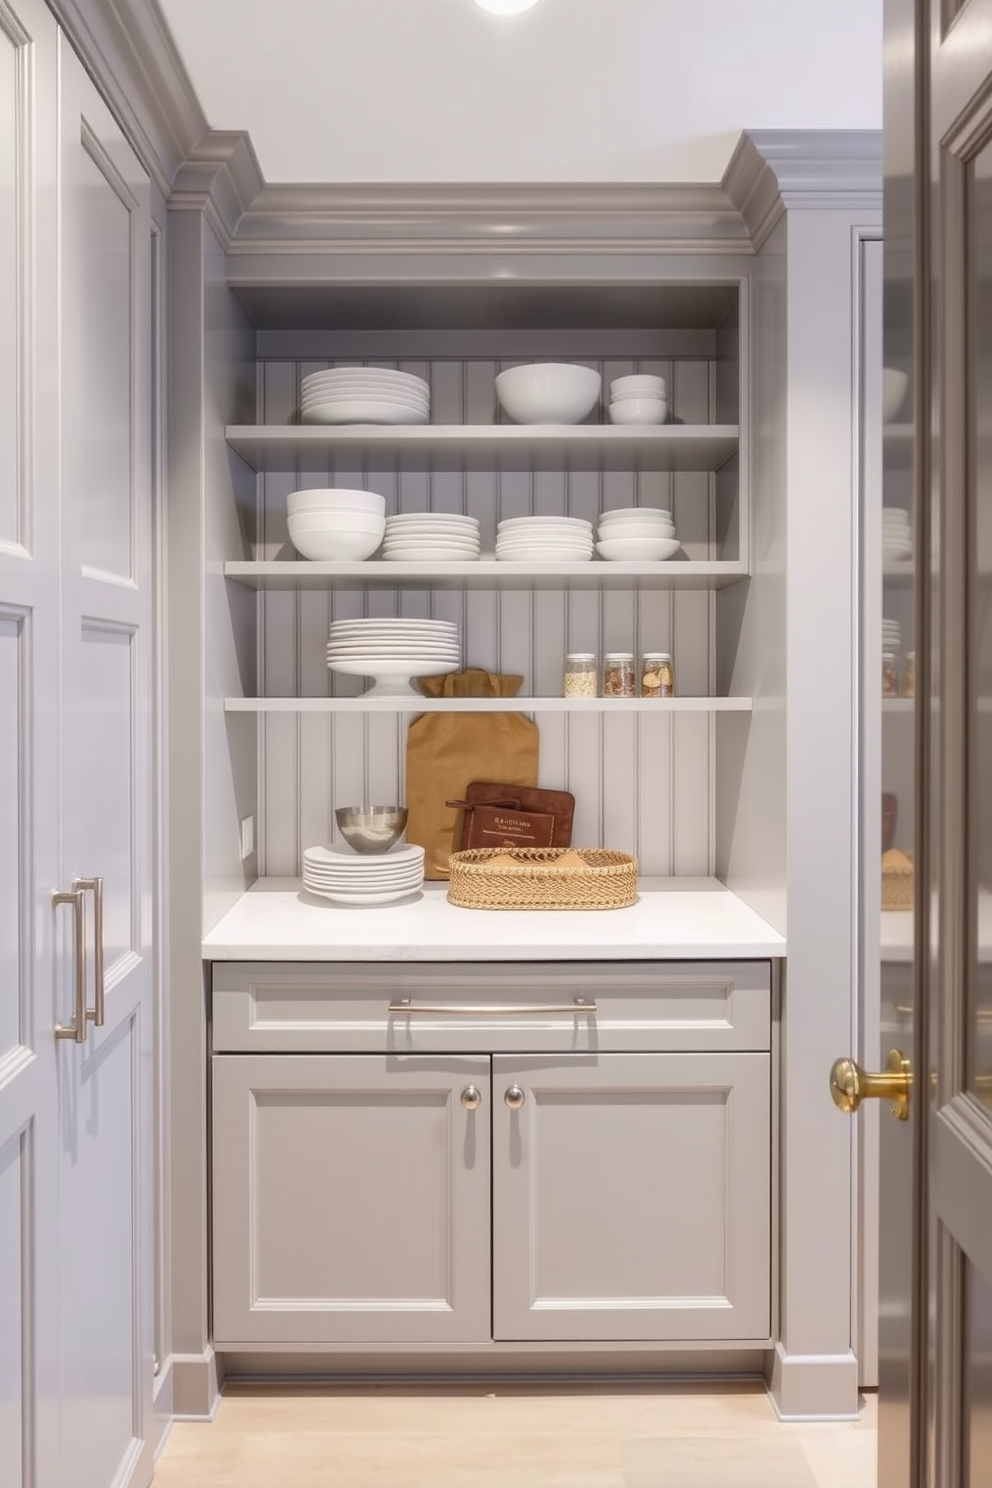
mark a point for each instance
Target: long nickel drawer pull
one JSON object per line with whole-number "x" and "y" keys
{"x": 579, "y": 1006}
{"x": 97, "y": 1013}
{"x": 76, "y": 1030}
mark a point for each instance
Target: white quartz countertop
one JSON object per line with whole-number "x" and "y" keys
{"x": 681, "y": 919}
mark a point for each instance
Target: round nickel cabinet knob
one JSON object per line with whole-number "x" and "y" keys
{"x": 514, "y": 1097}
{"x": 471, "y": 1098}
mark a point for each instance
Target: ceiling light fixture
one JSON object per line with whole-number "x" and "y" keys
{"x": 506, "y": 7}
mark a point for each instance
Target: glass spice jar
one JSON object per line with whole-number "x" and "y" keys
{"x": 890, "y": 675}
{"x": 909, "y": 675}
{"x": 580, "y": 675}
{"x": 657, "y": 675}
{"x": 618, "y": 674}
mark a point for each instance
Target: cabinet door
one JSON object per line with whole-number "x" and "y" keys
{"x": 29, "y": 762}
{"x": 350, "y": 1199}
{"x": 107, "y": 694}
{"x": 631, "y": 1197}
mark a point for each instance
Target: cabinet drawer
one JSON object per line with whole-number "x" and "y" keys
{"x": 626, "y": 1007}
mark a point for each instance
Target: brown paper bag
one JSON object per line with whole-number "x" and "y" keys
{"x": 445, "y": 752}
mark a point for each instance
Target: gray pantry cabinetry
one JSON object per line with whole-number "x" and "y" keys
{"x": 409, "y": 1194}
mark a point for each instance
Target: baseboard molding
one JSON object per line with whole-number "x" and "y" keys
{"x": 163, "y": 1406}
{"x": 195, "y": 1386}
{"x": 813, "y": 1387}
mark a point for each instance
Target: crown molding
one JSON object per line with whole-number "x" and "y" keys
{"x": 222, "y": 178}
{"x": 776, "y": 171}
{"x": 129, "y": 51}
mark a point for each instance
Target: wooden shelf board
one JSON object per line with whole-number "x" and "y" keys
{"x": 309, "y": 448}
{"x": 486, "y": 574}
{"x": 487, "y": 705}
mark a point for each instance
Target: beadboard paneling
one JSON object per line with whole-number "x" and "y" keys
{"x": 642, "y": 784}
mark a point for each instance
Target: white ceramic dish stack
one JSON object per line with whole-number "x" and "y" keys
{"x": 336, "y": 524}
{"x": 350, "y": 878}
{"x": 549, "y": 392}
{"x": 544, "y": 540}
{"x": 364, "y": 395}
{"x": 897, "y": 537}
{"x": 432, "y": 537}
{"x": 637, "y": 534}
{"x": 891, "y": 635}
{"x": 642, "y": 399}
{"x": 392, "y": 652}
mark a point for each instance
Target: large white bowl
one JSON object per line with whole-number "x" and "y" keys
{"x": 338, "y": 521}
{"x": 335, "y": 547}
{"x": 631, "y": 532}
{"x": 548, "y": 393}
{"x": 894, "y": 385}
{"x": 332, "y": 499}
{"x": 639, "y": 411}
{"x": 620, "y": 550}
{"x": 638, "y": 385}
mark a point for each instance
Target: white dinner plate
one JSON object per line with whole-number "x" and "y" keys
{"x": 550, "y": 555}
{"x": 389, "y": 623}
{"x": 405, "y": 852}
{"x": 387, "y": 375}
{"x": 432, "y": 529}
{"x": 365, "y": 899}
{"x": 362, "y": 883}
{"x": 364, "y": 413}
{"x": 577, "y": 522}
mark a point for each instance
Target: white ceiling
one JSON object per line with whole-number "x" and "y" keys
{"x": 575, "y": 90}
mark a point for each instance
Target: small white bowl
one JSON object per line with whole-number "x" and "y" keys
{"x": 635, "y": 514}
{"x": 639, "y": 411}
{"x": 621, "y": 550}
{"x": 342, "y": 547}
{"x": 894, "y": 385}
{"x": 548, "y": 392}
{"x": 631, "y": 533}
{"x": 626, "y": 397}
{"x": 639, "y": 385}
{"x": 317, "y": 521}
{"x": 336, "y": 500}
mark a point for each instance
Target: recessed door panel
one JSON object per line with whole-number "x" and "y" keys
{"x": 98, "y": 283}
{"x": 631, "y": 1197}
{"x": 14, "y": 1359}
{"x": 100, "y": 1273}
{"x": 14, "y": 983}
{"x": 15, "y": 200}
{"x": 99, "y": 766}
{"x": 351, "y": 1199}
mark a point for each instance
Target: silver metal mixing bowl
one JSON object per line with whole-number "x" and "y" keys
{"x": 371, "y": 829}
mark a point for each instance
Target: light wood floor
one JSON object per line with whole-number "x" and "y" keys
{"x": 474, "y": 1437}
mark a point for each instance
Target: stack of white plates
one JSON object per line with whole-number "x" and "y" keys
{"x": 544, "y": 540}
{"x": 350, "y": 878}
{"x": 431, "y": 537}
{"x": 637, "y": 534}
{"x": 364, "y": 395}
{"x": 890, "y": 636}
{"x": 897, "y": 539}
{"x": 393, "y": 651}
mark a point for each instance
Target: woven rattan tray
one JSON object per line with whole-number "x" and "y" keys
{"x": 897, "y": 888}
{"x": 609, "y": 881}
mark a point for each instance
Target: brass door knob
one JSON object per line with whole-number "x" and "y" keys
{"x": 514, "y": 1097}
{"x": 471, "y": 1098}
{"x": 850, "y": 1085}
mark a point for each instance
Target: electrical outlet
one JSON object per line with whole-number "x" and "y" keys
{"x": 247, "y": 837}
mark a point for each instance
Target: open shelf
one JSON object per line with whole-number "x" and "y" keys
{"x": 309, "y": 448}
{"x": 485, "y": 574}
{"x": 487, "y": 705}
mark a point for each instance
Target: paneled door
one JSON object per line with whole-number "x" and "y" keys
{"x": 350, "y": 1199}
{"x": 650, "y": 1169}
{"x": 106, "y": 358}
{"x": 29, "y": 763}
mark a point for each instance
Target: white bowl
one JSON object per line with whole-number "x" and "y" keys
{"x": 656, "y": 393}
{"x": 548, "y": 393}
{"x": 640, "y": 383}
{"x": 633, "y": 532}
{"x": 620, "y": 550}
{"x": 894, "y": 385}
{"x": 639, "y": 411}
{"x": 335, "y": 547}
{"x": 336, "y": 500}
{"x": 331, "y": 521}
{"x": 635, "y": 514}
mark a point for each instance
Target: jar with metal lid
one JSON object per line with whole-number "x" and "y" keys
{"x": 657, "y": 675}
{"x": 618, "y": 674}
{"x": 890, "y": 675}
{"x": 909, "y": 675}
{"x": 580, "y": 675}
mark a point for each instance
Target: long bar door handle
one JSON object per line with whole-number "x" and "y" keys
{"x": 76, "y": 1030}
{"x": 403, "y": 1007}
{"x": 97, "y": 1013}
